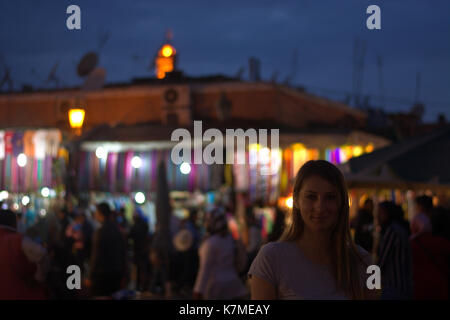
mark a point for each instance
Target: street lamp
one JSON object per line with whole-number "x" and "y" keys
{"x": 76, "y": 119}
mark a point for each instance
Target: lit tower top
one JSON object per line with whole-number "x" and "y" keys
{"x": 165, "y": 59}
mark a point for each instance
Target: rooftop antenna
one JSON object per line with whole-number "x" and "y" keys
{"x": 416, "y": 98}
{"x": 359, "y": 51}
{"x": 274, "y": 76}
{"x": 293, "y": 73}
{"x": 52, "y": 75}
{"x": 167, "y": 40}
{"x": 6, "y": 79}
{"x": 94, "y": 77}
{"x": 87, "y": 63}
{"x": 240, "y": 73}
{"x": 169, "y": 35}
{"x": 95, "y": 80}
{"x": 34, "y": 73}
{"x": 102, "y": 39}
{"x": 380, "y": 80}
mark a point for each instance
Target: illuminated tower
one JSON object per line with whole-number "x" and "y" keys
{"x": 165, "y": 60}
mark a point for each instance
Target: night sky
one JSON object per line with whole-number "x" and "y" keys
{"x": 219, "y": 36}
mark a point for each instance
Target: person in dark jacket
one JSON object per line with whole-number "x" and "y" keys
{"x": 139, "y": 233}
{"x": 394, "y": 255}
{"x": 363, "y": 225}
{"x": 108, "y": 260}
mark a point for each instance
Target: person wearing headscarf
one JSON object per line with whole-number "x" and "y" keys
{"x": 217, "y": 277}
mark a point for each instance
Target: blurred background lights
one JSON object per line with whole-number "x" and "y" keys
{"x": 139, "y": 198}
{"x": 136, "y": 162}
{"x": 264, "y": 155}
{"x": 185, "y": 168}
{"x": 25, "y": 200}
{"x": 289, "y": 202}
{"x": 357, "y": 151}
{"x": 101, "y": 153}
{"x": 43, "y": 213}
{"x": 45, "y": 192}
{"x": 22, "y": 160}
{"x": 167, "y": 50}
{"x": 4, "y": 195}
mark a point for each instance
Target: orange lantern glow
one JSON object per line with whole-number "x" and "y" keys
{"x": 165, "y": 61}
{"x": 167, "y": 50}
{"x": 76, "y": 119}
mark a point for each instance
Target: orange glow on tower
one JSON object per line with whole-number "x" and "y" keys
{"x": 165, "y": 61}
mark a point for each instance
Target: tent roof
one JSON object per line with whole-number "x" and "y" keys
{"x": 420, "y": 160}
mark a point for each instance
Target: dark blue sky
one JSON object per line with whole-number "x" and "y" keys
{"x": 219, "y": 37}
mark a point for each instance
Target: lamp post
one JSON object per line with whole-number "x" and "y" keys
{"x": 76, "y": 119}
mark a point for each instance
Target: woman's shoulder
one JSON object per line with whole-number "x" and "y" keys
{"x": 278, "y": 248}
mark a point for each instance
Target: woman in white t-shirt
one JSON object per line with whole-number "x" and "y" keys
{"x": 315, "y": 257}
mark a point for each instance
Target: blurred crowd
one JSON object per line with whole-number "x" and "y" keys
{"x": 414, "y": 256}
{"x": 200, "y": 257}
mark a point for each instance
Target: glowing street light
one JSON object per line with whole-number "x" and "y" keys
{"x": 76, "y": 119}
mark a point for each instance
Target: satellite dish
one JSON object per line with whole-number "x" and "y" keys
{"x": 95, "y": 80}
{"x": 87, "y": 64}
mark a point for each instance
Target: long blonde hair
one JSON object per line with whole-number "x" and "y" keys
{"x": 346, "y": 261}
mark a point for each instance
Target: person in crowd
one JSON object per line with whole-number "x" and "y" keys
{"x": 423, "y": 206}
{"x": 431, "y": 258}
{"x": 278, "y": 225}
{"x": 23, "y": 263}
{"x": 122, "y": 221}
{"x": 440, "y": 221}
{"x": 186, "y": 244}
{"x": 363, "y": 226}
{"x": 254, "y": 236}
{"x": 160, "y": 282}
{"x": 60, "y": 251}
{"x": 141, "y": 249}
{"x": 315, "y": 257}
{"x": 79, "y": 234}
{"x": 109, "y": 257}
{"x": 399, "y": 218}
{"x": 87, "y": 231}
{"x": 217, "y": 277}
{"x": 394, "y": 254}
{"x": 74, "y": 235}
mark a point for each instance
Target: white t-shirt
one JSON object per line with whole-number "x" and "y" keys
{"x": 296, "y": 277}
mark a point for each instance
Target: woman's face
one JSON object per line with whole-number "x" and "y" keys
{"x": 319, "y": 203}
